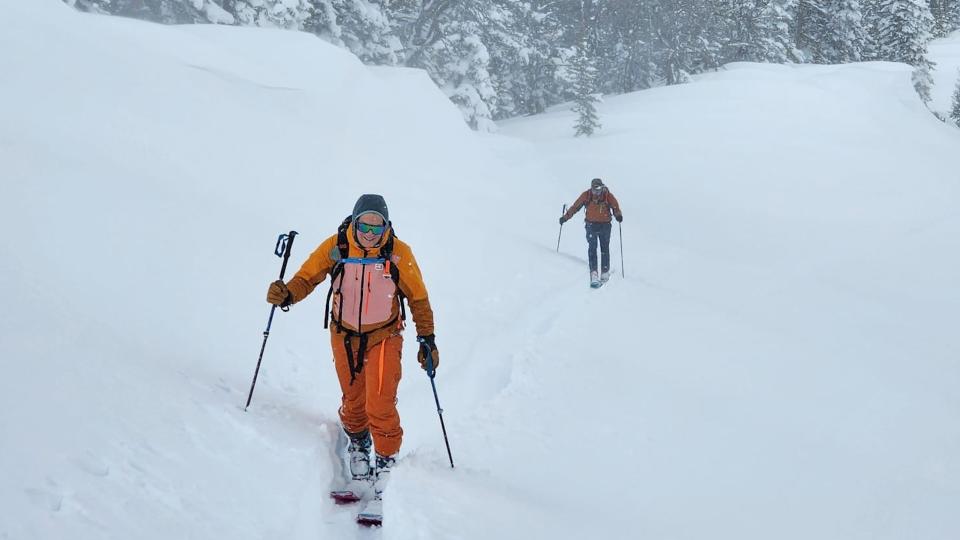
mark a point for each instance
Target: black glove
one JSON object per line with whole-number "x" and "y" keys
{"x": 619, "y": 218}
{"x": 563, "y": 220}
{"x": 428, "y": 343}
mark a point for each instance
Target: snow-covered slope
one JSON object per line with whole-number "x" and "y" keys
{"x": 783, "y": 349}
{"x": 778, "y": 362}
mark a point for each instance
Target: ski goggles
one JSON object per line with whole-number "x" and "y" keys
{"x": 367, "y": 228}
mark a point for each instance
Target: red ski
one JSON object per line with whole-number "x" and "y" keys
{"x": 344, "y": 497}
{"x": 370, "y": 520}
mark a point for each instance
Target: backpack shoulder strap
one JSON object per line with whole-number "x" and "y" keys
{"x": 387, "y": 253}
{"x": 343, "y": 246}
{"x": 602, "y": 198}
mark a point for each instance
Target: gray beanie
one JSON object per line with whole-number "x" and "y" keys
{"x": 371, "y": 204}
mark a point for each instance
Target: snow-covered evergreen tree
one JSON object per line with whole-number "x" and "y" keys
{"x": 938, "y": 9}
{"x": 758, "y": 31}
{"x": 585, "y": 96}
{"x": 953, "y": 16}
{"x": 946, "y": 16}
{"x": 688, "y": 43}
{"x": 625, "y": 55}
{"x": 871, "y": 24}
{"x": 955, "y": 106}
{"x": 92, "y": 6}
{"x": 903, "y": 34}
{"x": 161, "y": 11}
{"x": 740, "y": 27}
{"x": 459, "y": 62}
{"x": 831, "y": 31}
{"x": 367, "y": 32}
{"x": 774, "y": 40}
{"x": 528, "y": 57}
{"x": 809, "y": 29}
{"x": 360, "y": 26}
{"x": 509, "y": 33}
{"x": 290, "y": 14}
{"x": 446, "y": 38}
{"x": 845, "y": 32}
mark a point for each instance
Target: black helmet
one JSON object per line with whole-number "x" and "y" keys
{"x": 595, "y": 183}
{"x": 371, "y": 204}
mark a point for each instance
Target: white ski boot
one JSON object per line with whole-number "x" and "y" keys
{"x": 360, "y": 485}
{"x": 372, "y": 513}
{"x": 604, "y": 277}
{"x": 594, "y": 279}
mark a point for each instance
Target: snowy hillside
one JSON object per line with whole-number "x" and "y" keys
{"x": 779, "y": 361}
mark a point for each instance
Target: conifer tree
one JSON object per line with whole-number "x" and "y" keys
{"x": 845, "y": 32}
{"x": 809, "y": 29}
{"x": 161, "y": 11}
{"x": 904, "y": 30}
{"x": 584, "y": 94}
{"x": 360, "y": 26}
{"x": 955, "y": 107}
{"x": 946, "y": 16}
{"x": 774, "y": 40}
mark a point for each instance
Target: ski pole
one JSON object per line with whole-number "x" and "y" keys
{"x": 623, "y": 272}
{"x": 561, "y": 228}
{"x": 433, "y": 373}
{"x": 284, "y": 245}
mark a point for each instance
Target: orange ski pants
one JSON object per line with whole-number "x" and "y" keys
{"x": 371, "y": 401}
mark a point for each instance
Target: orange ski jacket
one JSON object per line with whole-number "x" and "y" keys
{"x": 321, "y": 262}
{"x": 599, "y": 207}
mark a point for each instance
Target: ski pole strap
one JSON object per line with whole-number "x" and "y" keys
{"x": 282, "y": 249}
{"x": 284, "y": 245}
{"x": 281, "y": 245}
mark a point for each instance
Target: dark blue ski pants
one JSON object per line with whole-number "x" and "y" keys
{"x": 598, "y": 232}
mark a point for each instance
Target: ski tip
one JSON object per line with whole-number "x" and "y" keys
{"x": 370, "y": 520}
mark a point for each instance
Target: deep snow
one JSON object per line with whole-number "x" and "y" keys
{"x": 779, "y": 362}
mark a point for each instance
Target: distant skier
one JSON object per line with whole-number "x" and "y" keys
{"x": 371, "y": 272}
{"x": 601, "y": 204}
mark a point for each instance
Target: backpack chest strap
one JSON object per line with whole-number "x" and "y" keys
{"x": 362, "y": 260}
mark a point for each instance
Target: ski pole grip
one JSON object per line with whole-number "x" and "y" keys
{"x": 284, "y": 245}
{"x": 428, "y": 354}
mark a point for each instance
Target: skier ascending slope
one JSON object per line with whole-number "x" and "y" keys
{"x": 600, "y": 204}
{"x": 371, "y": 272}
